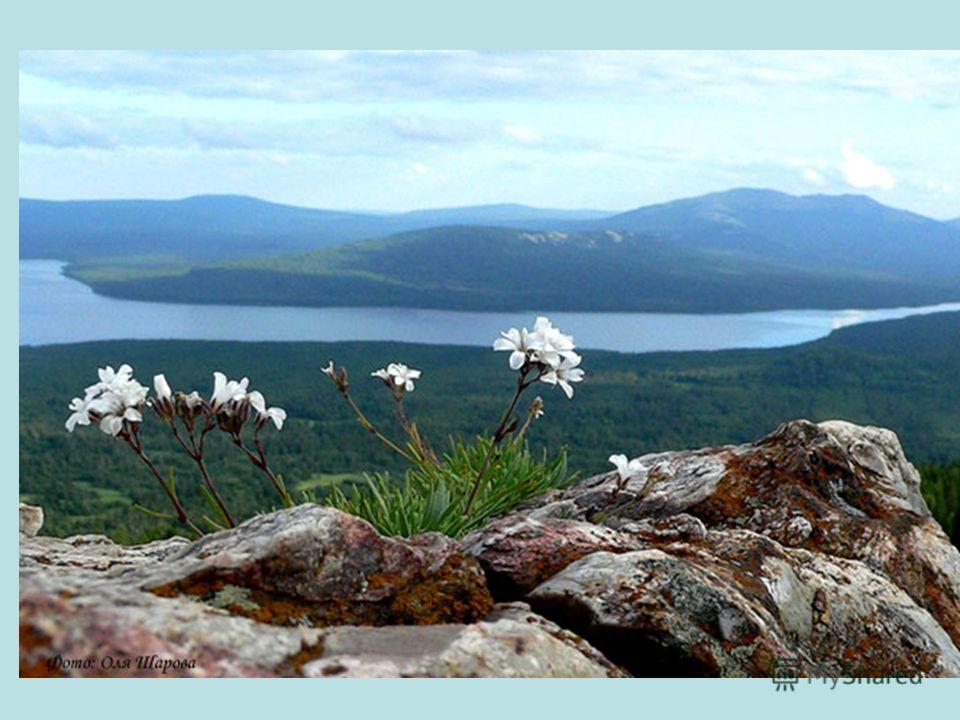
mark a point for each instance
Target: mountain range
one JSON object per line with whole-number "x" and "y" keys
{"x": 206, "y": 227}
{"x": 737, "y": 250}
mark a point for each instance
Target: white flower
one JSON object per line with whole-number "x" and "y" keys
{"x": 111, "y": 425}
{"x": 550, "y": 346}
{"x": 193, "y": 400}
{"x": 162, "y": 387}
{"x": 121, "y": 376}
{"x": 546, "y": 345}
{"x": 131, "y": 393}
{"x": 116, "y": 399}
{"x": 564, "y": 373}
{"x": 259, "y": 403}
{"x": 277, "y": 415}
{"x": 398, "y": 376}
{"x": 81, "y": 413}
{"x": 518, "y": 343}
{"x": 110, "y": 379}
{"x": 626, "y": 469}
{"x": 403, "y": 376}
{"x": 226, "y": 391}
{"x": 328, "y": 370}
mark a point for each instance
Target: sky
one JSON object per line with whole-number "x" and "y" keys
{"x": 408, "y": 130}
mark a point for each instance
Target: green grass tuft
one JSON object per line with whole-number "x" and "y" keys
{"x": 433, "y": 497}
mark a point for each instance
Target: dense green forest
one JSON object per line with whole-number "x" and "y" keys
{"x": 901, "y": 374}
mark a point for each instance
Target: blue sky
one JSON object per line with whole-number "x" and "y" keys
{"x": 395, "y": 131}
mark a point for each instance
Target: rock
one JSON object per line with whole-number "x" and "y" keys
{"x": 82, "y": 622}
{"x": 519, "y": 552}
{"x": 31, "y": 519}
{"x": 512, "y": 643}
{"x": 811, "y": 546}
{"x": 813, "y": 543}
{"x": 317, "y": 566}
{"x": 733, "y": 604}
{"x": 521, "y": 613}
{"x": 96, "y": 552}
{"x": 77, "y": 622}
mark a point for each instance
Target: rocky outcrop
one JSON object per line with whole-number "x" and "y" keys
{"x": 812, "y": 546}
{"x": 309, "y": 591}
{"x": 318, "y": 566}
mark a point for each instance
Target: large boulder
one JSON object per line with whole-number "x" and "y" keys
{"x": 811, "y": 546}
{"x": 313, "y": 565}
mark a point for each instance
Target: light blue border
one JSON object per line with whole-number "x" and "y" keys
{"x": 423, "y": 24}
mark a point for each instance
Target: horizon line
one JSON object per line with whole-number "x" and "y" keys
{"x": 368, "y": 211}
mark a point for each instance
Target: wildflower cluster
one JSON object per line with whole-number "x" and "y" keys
{"x": 438, "y": 493}
{"x": 117, "y": 402}
{"x": 544, "y": 354}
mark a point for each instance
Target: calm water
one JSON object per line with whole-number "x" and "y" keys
{"x": 56, "y": 309}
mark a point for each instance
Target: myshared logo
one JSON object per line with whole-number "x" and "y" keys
{"x": 785, "y": 674}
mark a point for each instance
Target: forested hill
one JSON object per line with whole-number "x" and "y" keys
{"x": 812, "y": 231}
{"x": 736, "y": 251}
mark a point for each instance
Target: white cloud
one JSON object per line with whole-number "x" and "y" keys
{"x": 522, "y": 133}
{"x": 932, "y": 77}
{"x": 814, "y": 178}
{"x": 862, "y": 172}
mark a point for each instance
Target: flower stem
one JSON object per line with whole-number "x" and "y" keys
{"x": 174, "y": 500}
{"x": 195, "y": 451}
{"x": 376, "y": 433}
{"x": 497, "y": 437}
{"x": 523, "y": 429}
{"x": 419, "y": 442}
{"x": 260, "y": 461}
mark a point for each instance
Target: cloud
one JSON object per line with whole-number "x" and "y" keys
{"x": 382, "y": 77}
{"x": 814, "y": 178}
{"x": 862, "y": 172}
{"x": 435, "y": 130}
{"x": 522, "y": 134}
{"x": 67, "y": 130}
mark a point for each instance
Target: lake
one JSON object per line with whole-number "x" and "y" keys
{"x": 56, "y": 309}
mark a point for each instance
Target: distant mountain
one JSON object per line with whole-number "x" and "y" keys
{"x": 731, "y": 251}
{"x": 207, "y": 227}
{"x": 812, "y": 231}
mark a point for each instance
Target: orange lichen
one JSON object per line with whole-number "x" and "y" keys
{"x": 448, "y": 595}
